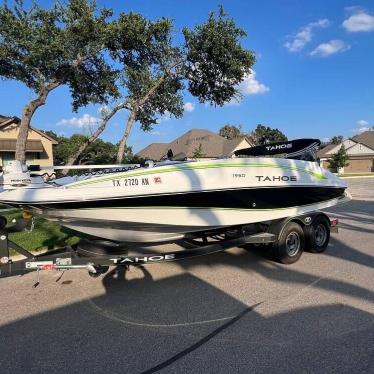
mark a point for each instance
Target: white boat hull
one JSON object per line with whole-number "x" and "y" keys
{"x": 167, "y": 202}
{"x": 153, "y": 224}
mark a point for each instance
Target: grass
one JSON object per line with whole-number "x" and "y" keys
{"x": 45, "y": 235}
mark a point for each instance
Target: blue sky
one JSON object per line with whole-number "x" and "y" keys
{"x": 314, "y": 76}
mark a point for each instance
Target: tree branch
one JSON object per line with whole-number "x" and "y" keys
{"x": 72, "y": 159}
{"x": 27, "y": 113}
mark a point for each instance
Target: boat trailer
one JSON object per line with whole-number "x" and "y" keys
{"x": 81, "y": 256}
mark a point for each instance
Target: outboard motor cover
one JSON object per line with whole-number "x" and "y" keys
{"x": 16, "y": 175}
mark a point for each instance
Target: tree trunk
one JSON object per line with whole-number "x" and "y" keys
{"x": 130, "y": 121}
{"x": 123, "y": 142}
{"x": 27, "y": 113}
{"x": 72, "y": 159}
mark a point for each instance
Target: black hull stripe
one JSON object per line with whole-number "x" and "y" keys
{"x": 266, "y": 198}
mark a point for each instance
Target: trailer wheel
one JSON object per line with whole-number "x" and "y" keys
{"x": 290, "y": 244}
{"x": 317, "y": 235}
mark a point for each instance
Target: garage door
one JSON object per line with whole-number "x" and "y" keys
{"x": 359, "y": 166}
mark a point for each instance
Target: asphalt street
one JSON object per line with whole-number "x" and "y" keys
{"x": 232, "y": 312}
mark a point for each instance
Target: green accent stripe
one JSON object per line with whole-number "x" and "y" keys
{"x": 160, "y": 170}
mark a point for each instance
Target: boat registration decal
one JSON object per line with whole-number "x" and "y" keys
{"x": 129, "y": 182}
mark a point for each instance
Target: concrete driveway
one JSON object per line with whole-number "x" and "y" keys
{"x": 362, "y": 188}
{"x": 233, "y": 312}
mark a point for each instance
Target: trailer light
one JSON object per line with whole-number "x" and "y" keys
{"x": 48, "y": 267}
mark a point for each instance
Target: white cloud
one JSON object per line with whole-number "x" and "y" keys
{"x": 363, "y": 129}
{"x": 165, "y": 117}
{"x": 251, "y": 86}
{"x": 189, "y": 107}
{"x": 84, "y": 121}
{"x": 155, "y": 133}
{"x": 305, "y": 35}
{"x": 359, "y": 21}
{"x": 362, "y": 123}
{"x": 362, "y": 126}
{"x": 329, "y": 48}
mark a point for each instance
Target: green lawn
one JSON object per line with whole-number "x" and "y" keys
{"x": 45, "y": 235}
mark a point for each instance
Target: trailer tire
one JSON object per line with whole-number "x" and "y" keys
{"x": 290, "y": 245}
{"x": 317, "y": 235}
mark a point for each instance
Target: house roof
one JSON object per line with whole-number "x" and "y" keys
{"x": 365, "y": 138}
{"x": 154, "y": 151}
{"x": 322, "y": 152}
{"x": 6, "y": 121}
{"x": 212, "y": 145}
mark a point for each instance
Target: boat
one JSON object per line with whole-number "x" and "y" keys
{"x": 173, "y": 199}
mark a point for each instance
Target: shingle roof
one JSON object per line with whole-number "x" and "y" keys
{"x": 322, "y": 152}
{"x": 366, "y": 138}
{"x": 154, "y": 151}
{"x": 212, "y": 145}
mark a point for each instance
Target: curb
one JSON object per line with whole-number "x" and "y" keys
{"x": 363, "y": 197}
{"x": 358, "y": 177}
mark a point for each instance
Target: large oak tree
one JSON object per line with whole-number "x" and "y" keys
{"x": 48, "y": 48}
{"x": 127, "y": 62}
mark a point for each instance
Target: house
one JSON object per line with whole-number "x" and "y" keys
{"x": 360, "y": 151}
{"x": 196, "y": 144}
{"x": 39, "y": 147}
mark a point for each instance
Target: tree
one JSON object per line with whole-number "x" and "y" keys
{"x": 230, "y": 131}
{"x": 129, "y": 61}
{"x": 198, "y": 152}
{"x": 99, "y": 152}
{"x": 336, "y": 139}
{"x": 339, "y": 159}
{"x": 265, "y": 134}
{"x": 210, "y": 63}
{"x": 48, "y": 48}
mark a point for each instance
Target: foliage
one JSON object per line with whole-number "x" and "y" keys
{"x": 211, "y": 64}
{"x": 230, "y": 131}
{"x": 62, "y": 44}
{"x": 265, "y": 134}
{"x": 336, "y": 139}
{"x": 125, "y": 60}
{"x": 198, "y": 152}
{"x": 215, "y": 61}
{"x": 99, "y": 152}
{"x": 339, "y": 159}
{"x": 47, "y": 48}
